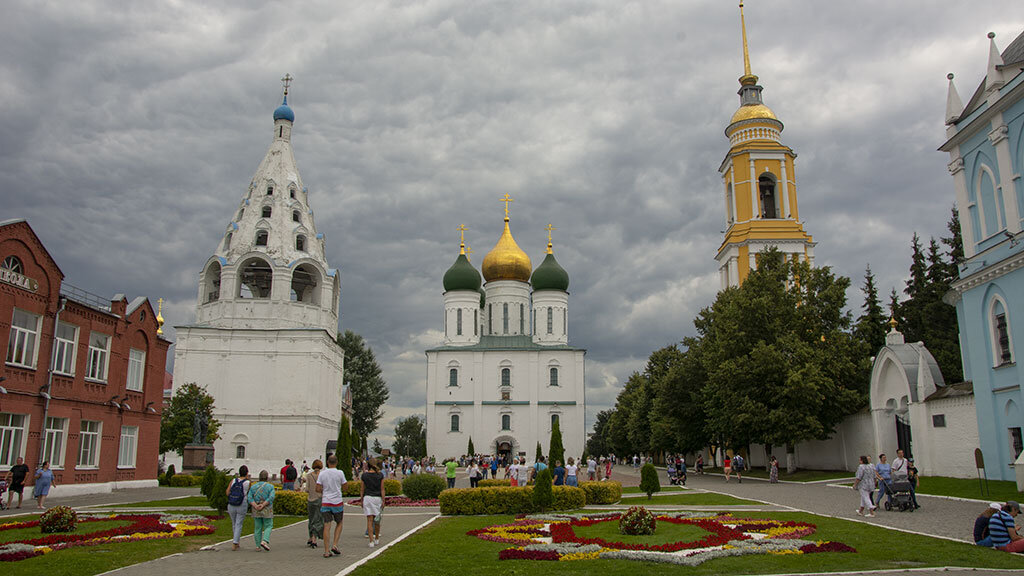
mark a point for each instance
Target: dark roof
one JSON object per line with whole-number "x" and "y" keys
{"x": 504, "y": 343}
{"x": 952, "y": 391}
{"x": 1013, "y": 55}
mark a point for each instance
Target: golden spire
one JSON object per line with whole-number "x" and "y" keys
{"x": 748, "y": 77}
{"x": 893, "y": 323}
{"x": 462, "y": 238}
{"x": 160, "y": 317}
{"x": 506, "y": 199}
{"x": 506, "y": 261}
{"x": 549, "y": 228}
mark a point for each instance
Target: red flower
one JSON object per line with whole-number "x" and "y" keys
{"x": 720, "y": 534}
{"x": 519, "y": 554}
{"x": 826, "y": 547}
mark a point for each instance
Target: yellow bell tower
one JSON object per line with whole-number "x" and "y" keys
{"x": 760, "y": 185}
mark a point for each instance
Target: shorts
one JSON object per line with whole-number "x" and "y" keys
{"x": 332, "y": 512}
{"x": 372, "y": 505}
{"x": 17, "y": 488}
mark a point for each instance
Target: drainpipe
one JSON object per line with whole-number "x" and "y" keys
{"x": 49, "y": 382}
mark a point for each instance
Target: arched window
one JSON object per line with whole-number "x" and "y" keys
{"x": 455, "y": 423}
{"x": 993, "y": 217}
{"x": 551, "y": 321}
{"x": 227, "y": 241}
{"x": 453, "y": 376}
{"x": 306, "y": 285}
{"x": 256, "y": 279}
{"x": 296, "y": 216}
{"x": 553, "y": 376}
{"x": 504, "y": 318}
{"x": 262, "y": 236}
{"x": 241, "y": 211}
{"x": 506, "y": 376}
{"x": 300, "y": 243}
{"x": 270, "y": 190}
{"x": 1001, "y": 345}
{"x": 728, "y": 204}
{"x": 291, "y": 192}
{"x": 211, "y": 282}
{"x": 766, "y": 186}
{"x": 554, "y": 420}
{"x": 506, "y": 421}
{"x": 240, "y": 452}
{"x": 458, "y": 321}
{"x": 267, "y": 211}
{"x": 13, "y": 263}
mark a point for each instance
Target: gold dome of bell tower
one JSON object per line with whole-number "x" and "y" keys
{"x": 507, "y": 261}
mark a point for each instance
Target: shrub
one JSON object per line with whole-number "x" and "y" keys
{"x": 351, "y": 488}
{"x": 184, "y": 481}
{"x": 637, "y": 521}
{"x": 506, "y": 500}
{"x": 422, "y": 486}
{"x": 393, "y": 487}
{"x": 556, "y": 453}
{"x": 219, "y": 497}
{"x": 170, "y": 472}
{"x": 649, "y": 480}
{"x": 58, "y": 519}
{"x": 607, "y": 492}
{"x": 542, "y": 491}
{"x": 161, "y": 479}
{"x": 492, "y": 482}
{"x": 290, "y": 503}
{"x": 209, "y": 481}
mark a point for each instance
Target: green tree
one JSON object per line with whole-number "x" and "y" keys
{"x": 209, "y": 481}
{"x": 470, "y": 449}
{"x": 176, "y": 422}
{"x": 218, "y": 497}
{"x": 871, "y": 325}
{"x": 649, "y": 480}
{"x": 344, "y": 450}
{"x": 363, "y": 374}
{"x": 362, "y": 446}
{"x": 377, "y": 446}
{"x": 410, "y": 437}
{"x": 542, "y": 493}
{"x": 677, "y": 419}
{"x": 599, "y": 443}
{"x": 539, "y": 453}
{"x": 555, "y": 450}
{"x": 618, "y": 424}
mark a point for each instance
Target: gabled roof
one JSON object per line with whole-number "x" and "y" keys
{"x": 15, "y": 222}
{"x": 1013, "y": 56}
{"x": 952, "y": 391}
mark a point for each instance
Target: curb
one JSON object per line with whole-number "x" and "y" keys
{"x": 380, "y": 550}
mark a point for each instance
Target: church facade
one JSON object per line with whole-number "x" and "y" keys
{"x": 505, "y": 372}
{"x": 264, "y": 339}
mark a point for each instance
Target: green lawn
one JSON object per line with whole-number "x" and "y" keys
{"x": 29, "y": 533}
{"x": 998, "y": 490}
{"x": 669, "y": 488}
{"x": 664, "y": 533}
{"x": 169, "y": 503}
{"x": 798, "y": 476}
{"x": 688, "y": 499}
{"x": 87, "y": 560}
{"x": 443, "y": 549}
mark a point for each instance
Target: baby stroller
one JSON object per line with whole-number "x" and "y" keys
{"x": 3, "y": 488}
{"x": 901, "y": 497}
{"x": 677, "y": 475}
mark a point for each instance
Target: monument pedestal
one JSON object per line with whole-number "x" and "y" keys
{"x": 196, "y": 456}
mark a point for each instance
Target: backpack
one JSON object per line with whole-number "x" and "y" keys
{"x": 237, "y": 494}
{"x": 737, "y": 463}
{"x": 290, "y": 474}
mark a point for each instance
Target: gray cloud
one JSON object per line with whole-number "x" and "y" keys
{"x": 130, "y": 133}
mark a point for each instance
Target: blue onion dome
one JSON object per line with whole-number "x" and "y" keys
{"x": 461, "y": 276}
{"x": 284, "y": 112}
{"x": 550, "y": 275}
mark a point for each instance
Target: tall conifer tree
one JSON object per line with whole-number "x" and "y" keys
{"x": 871, "y": 324}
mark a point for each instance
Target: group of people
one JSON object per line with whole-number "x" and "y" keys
{"x": 882, "y": 476}
{"x": 996, "y": 527}
{"x": 14, "y": 482}
{"x": 325, "y": 504}
{"x": 519, "y": 472}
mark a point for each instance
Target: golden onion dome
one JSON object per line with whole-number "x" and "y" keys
{"x": 753, "y": 112}
{"x": 507, "y": 261}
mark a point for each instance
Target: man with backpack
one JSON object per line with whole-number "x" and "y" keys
{"x": 738, "y": 465}
{"x": 288, "y": 475}
{"x": 237, "y": 505}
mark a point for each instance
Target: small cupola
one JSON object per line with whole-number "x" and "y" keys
{"x": 550, "y": 275}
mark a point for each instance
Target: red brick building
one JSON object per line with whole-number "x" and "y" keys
{"x": 83, "y": 377}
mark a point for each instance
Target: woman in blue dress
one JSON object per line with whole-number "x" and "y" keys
{"x": 44, "y": 479}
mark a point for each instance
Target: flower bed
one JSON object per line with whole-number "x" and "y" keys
{"x": 399, "y": 501}
{"x": 140, "y": 527}
{"x": 552, "y": 537}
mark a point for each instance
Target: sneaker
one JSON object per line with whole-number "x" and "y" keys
{"x": 870, "y": 515}
{"x": 371, "y": 544}
{"x": 859, "y": 512}
{"x": 376, "y": 541}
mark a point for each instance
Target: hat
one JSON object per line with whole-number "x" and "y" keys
{"x": 995, "y": 506}
{"x": 1012, "y": 505}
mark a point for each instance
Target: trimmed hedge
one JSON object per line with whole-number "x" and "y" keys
{"x": 392, "y": 487}
{"x": 185, "y": 480}
{"x": 506, "y": 500}
{"x": 491, "y": 482}
{"x": 290, "y": 503}
{"x": 607, "y": 492}
{"x": 422, "y": 486}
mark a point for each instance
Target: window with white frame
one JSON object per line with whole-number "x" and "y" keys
{"x": 553, "y": 376}
{"x": 1016, "y": 442}
{"x": 13, "y": 263}
{"x": 136, "y": 369}
{"x": 126, "y": 449}
{"x": 12, "y": 438}
{"x": 506, "y": 376}
{"x": 551, "y": 321}
{"x": 554, "y": 420}
{"x": 89, "y": 444}
{"x": 24, "y": 341}
{"x": 506, "y": 422}
{"x": 453, "y": 376}
{"x": 455, "y": 423}
{"x": 504, "y": 318}
{"x": 458, "y": 321}
{"x": 99, "y": 357}
{"x": 64, "y": 351}
{"x": 1001, "y": 345}
{"x": 240, "y": 452}
{"x": 53, "y": 441}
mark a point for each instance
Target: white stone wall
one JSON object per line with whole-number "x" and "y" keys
{"x": 469, "y": 303}
{"x": 558, "y": 303}
{"x": 947, "y": 451}
{"x": 517, "y": 296}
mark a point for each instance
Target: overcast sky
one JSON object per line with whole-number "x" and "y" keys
{"x": 131, "y": 130}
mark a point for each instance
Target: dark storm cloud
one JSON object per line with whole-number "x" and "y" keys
{"x": 130, "y": 132}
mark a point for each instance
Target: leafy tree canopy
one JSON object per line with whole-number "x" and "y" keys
{"x": 177, "y": 419}
{"x": 410, "y": 437}
{"x": 363, "y": 374}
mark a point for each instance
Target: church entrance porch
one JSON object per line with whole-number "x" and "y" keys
{"x": 505, "y": 448}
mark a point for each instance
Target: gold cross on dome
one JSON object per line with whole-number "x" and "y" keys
{"x": 549, "y": 228}
{"x": 506, "y": 199}
{"x": 469, "y": 252}
{"x": 462, "y": 237}
{"x": 287, "y": 81}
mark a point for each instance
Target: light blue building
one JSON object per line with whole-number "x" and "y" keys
{"x": 985, "y": 141}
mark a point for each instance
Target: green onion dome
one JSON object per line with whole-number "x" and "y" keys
{"x": 462, "y": 276}
{"x": 550, "y": 276}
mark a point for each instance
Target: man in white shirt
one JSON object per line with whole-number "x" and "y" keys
{"x": 900, "y": 470}
{"x": 332, "y": 508}
{"x": 591, "y": 468}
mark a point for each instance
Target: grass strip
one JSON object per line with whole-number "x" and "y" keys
{"x": 689, "y": 499}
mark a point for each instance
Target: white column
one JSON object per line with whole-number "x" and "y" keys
{"x": 785, "y": 190}
{"x": 732, "y": 178}
{"x": 754, "y": 211}
{"x": 956, "y": 168}
{"x": 734, "y": 272}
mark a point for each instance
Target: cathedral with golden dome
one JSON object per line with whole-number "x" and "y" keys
{"x": 759, "y": 177}
{"x": 505, "y": 373}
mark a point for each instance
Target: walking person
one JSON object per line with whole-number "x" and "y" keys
{"x": 559, "y": 472}
{"x": 913, "y": 478}
{"x": 738, "y": 465}
{"x": 15, "y": 479}
{"x": 523, "y": 473}
{"x": 313, "y": 502}
{"x": 373, "y": 501}
{"x": 261, "y": 498}
{"x": 44, "y": 481}
{"x": 865, "y": 484}
{"x": 699, "y": 465}
{"x": 571, "y": 472}
{"x": 773, "y": 470}
{"x": 884, "y": 472}
{"x": 332, "y": 508}
{"x": 449, "y": 472}
{"x": 727, "y": 467}
{"x": 288, "y": 475}
{"x": 238, "y": 504}
{"x": 512, "y": 472}
{"x": 608, "y": 468}
{"x": 591, "y": 468}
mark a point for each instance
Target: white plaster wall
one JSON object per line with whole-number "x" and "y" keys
{"x": 469, "y": 302}
{"x": 517, "y": 296}
{"x": 947, "y": 451}
{"x": 558, "y": 302}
